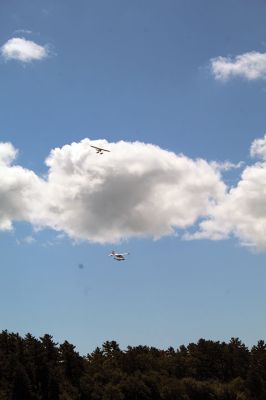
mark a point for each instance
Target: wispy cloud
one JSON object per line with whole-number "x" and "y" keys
{"x": 29, "y": 239}
{"x": 227, "y": 165}
{"x": 23, "y": 50}
{"x": 23, "y": 31}
{"x": 250, "y": 66}
{"x": 26, "y": 240}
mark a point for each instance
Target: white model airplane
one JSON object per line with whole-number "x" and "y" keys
{"x": 118, "y": 256}
{"x": 99, "y": 150}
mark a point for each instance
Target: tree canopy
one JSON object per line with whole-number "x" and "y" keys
{"x": 40, "y": 369}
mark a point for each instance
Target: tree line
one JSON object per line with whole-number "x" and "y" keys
{"x": 40, "y": 369}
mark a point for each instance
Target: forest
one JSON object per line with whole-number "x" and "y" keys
{"x": 41, "y": 369}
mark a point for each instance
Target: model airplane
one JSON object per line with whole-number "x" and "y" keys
{"x": 118, "y": 256}
{"x": 99, "y": 150}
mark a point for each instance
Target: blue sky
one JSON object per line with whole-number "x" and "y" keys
{"x": 135, "y": 71}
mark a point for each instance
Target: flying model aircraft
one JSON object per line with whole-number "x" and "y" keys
{"x": 118, "y": 256}
{"x": 99, "y": 150}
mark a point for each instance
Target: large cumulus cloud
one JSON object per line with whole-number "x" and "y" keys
{"x": 135, "y": 190}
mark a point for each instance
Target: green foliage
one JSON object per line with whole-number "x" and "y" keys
{"x": 40, "y": 369}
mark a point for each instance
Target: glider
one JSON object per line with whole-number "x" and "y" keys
{"x": 99, "y": 150}
{"x": 118, "y": 256}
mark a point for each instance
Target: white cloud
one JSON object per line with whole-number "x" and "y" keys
{"x": 135, "y": 190}
{"x": 243, "y": 210}
{"x": 27, "y": 239}
{"x": 23, "y": 50}
{"x": 24, "y": 31}
{"x": 7, "y": 154}
{"x": 250, "y": 66}
{"x": 18, "y": 189}
{"x": 258, "y": 148}
{"x": 226, "y": 165}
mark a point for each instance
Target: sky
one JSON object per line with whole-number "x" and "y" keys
{"x": 176, "y": 91}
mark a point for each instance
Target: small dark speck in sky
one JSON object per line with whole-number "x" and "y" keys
{"x": 87, "y": 290}
{"x": 81, "y": 266}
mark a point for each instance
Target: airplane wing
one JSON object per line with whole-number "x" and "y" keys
{"x": 99, "y": 148}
